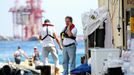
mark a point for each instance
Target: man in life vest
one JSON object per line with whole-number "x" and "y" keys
{"x": 18, "y": 54}
{"x": 47, "y": 35}
{"x": 68, "y": 36}
{"x": 36, "y": 56}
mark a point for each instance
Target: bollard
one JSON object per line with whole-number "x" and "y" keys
{"x": 45, "y": 70}
{"x": 30, "y": 62}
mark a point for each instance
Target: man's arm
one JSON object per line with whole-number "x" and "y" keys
{"x": 40, "y": 38}
{"x": 57, "y": 40}
{"x": 24, "y": 53}
{"x": 14, "y": 54}
{"x": 61, "y": 40}
{"x": 33, "y": 57}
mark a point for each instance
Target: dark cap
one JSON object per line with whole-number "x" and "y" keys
{"x": 47, "y": 20}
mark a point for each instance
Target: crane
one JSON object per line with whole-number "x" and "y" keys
{"x": 29, "y": 17}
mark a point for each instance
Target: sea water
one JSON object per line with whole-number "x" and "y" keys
{"x": 7, "y": 49}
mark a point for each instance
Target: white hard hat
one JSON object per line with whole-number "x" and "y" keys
{"x": 35, "y": 46}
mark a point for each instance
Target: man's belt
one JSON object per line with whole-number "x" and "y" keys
{"x": 69, "y": 45}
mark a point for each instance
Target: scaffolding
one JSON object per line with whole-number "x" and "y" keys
{"x": 28, "y": 17}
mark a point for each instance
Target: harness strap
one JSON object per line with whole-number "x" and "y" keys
{"x": 47, "y": 34}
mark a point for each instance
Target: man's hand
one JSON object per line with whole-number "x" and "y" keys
{"x": 58, "y": 41}
{"x": 40, "y": 39}
{"x": 61, "y": 47}
{"x": 69, "y": 31}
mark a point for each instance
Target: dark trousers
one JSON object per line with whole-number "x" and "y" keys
{"x": 17, "y": 60}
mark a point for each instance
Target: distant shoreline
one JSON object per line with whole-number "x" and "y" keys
{"x": 9, "y": 38}
{"x": 6, "y": 38}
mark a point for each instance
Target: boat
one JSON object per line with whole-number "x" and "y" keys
{"x": 27, "y": 68}
{"x": 108, "y": 35}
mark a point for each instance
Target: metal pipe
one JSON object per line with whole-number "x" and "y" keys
{"x": 108, "y": 5}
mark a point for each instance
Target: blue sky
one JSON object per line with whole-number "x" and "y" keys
{"x": 55, "y": 10}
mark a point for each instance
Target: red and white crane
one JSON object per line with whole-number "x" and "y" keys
{"x": 29, "y": 17}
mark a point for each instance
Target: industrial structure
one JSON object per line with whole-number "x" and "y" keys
{"x": 122, "y": 18}
{"x": 29, "y": 17}
{"x": 119, "y": 16}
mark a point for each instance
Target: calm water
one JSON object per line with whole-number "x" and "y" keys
{"x": 7, "y": 48}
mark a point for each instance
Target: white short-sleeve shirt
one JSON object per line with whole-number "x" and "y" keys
{"x": 19, "y": 52}
{"x": 48, "y": 41}
{"x": 68, "y": 41}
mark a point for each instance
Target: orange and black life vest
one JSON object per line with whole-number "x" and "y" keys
{"x": 64, "y": 33}
{"x": 47, "y": 31}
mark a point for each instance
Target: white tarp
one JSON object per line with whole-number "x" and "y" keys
{"x": 93, "y": 19}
